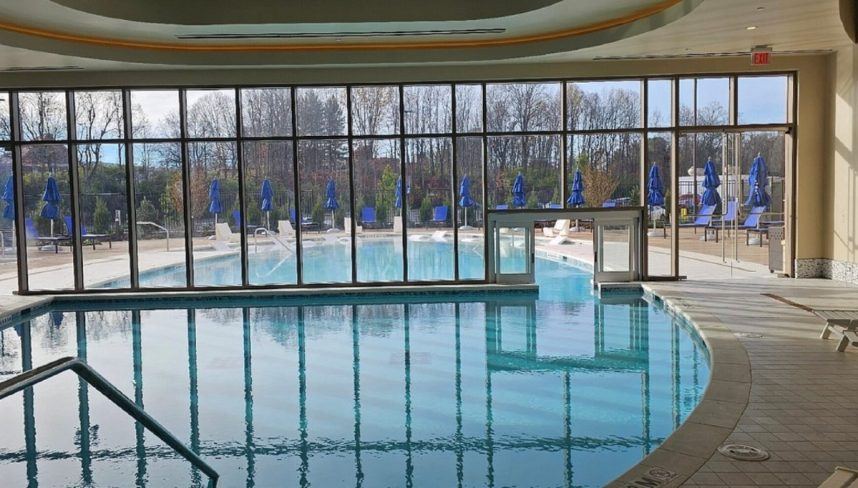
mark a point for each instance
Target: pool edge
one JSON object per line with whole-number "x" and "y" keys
{"x": 714, "y": 418}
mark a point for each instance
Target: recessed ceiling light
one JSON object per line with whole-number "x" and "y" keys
{"x": 751, "y": 27}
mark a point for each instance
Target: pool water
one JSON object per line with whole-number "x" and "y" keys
{"x": 377, "y": 260}
{"x": 507, "y": 390}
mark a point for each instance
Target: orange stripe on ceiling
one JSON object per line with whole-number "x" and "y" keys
{"x": 339, "y": 46}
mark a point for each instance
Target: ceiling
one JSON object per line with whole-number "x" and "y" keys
{"x": 51, "y": 34}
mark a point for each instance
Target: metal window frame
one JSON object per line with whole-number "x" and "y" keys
{"x": 564, "y": 133}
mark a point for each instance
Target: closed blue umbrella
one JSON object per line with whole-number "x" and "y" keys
{"x": 266, "y": 204}
{"x": 711, "y": 182}
{"x": 465, "y": 200}
{"x": 655, "y": 188}
{"x": 758, "y": 179}
{"x": 214, "y": 198}
{"x": 52, "y": 198}
{"x": 518, "y": 195}
{"x": 331, "y": 196}
{"x": 397, "y": 201}
{"x": 576, "y": 198}
{"x": 266, "y": 195}
{"x": 331, "y": 200}
{"x": 9, "y": 198}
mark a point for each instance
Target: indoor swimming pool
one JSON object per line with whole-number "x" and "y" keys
{"x": 514, "y": 389}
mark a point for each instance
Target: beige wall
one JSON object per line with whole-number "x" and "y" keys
{"x": 811, "y": 208}
{"x": 842, "y": 172}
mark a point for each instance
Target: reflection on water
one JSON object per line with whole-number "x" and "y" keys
{"x": 507, "y": 392}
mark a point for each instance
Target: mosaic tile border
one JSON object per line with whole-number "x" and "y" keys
{"x": 831, "y": 269}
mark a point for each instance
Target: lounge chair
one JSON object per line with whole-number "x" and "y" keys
{"x": 33, "y": 235}
{"x": 561, "y": 228}
{"x": 285, "y": 229}
{"x": 843, "y": 323}
{"x": 558, "y": 241}
{"x": 224, "y": 236}
{"x": 553, "y": 205}
{"x": 502, "y": 206}
{"x": 439, "y": 215}
{"x": 701, "y": 220}
{"x": 368, "y": 217}
{"x": 609, "y": 204}
{"x": 841, "y": 478}
{"x": 726, "y": 220}
{"x": 85, "y": 236}
{"x": 754, "y": 225}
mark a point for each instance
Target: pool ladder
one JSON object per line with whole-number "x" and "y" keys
{"x": 34, "y": 376}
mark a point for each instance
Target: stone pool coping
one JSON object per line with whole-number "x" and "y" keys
{"x": 13, "y": 307}
{"x": 712, "y": 421}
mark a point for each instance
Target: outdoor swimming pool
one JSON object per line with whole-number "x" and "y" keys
{"x": 563, "y": 389}
{"x": 329, "y": 261}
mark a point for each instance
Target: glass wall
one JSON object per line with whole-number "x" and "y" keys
{"x": 379, "y": 200}
{"x": 8, "y": 230}
{"x": 159, "y": 202}
{"x": 278, "y": 186}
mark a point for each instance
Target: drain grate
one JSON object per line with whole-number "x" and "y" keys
{"x": 742, "y": 452}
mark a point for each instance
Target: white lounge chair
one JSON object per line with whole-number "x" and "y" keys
{"x": 843, "y": 323}
{"x": 224, "y": 236}
{"x": 284, "y": 228}
{"x": 561, "y": 228}
{"x": 559, "y": 240}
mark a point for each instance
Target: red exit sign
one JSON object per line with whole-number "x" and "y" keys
{"x": 761, "y": 57}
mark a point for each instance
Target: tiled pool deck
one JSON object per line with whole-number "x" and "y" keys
{"x": 775, "y": 385}
{"x": 799, "y": 397}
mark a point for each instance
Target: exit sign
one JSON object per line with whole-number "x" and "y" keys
{"x": 761, "y": 57}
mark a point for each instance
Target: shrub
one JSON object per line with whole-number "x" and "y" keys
{"x": 101, "y": 217}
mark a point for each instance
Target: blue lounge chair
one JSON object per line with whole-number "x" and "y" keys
{"x": 609, "y": 204}
{"x": 502, "y": 206}
{"x": 367, "y": 217}
{"x": 727, "y": 219}
{"x": 754, "y": 225}
{"x": 33, "y": 235}
{"x": 553, "y": 205}
{"x": 701, "y": 220}
{"x": 86, "y": 237}
{"x": 439, "y": 215}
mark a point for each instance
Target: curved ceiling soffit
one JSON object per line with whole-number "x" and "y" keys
{"x": 345, "y": 53}
{"x": 214, "y": 12}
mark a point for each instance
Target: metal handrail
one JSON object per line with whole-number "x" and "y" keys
{"x": 37, "y": 375}
{"x": 160, "y": 227}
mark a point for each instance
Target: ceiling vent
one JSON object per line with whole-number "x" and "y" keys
{"x": 343, "y": 34}
{"x": 24, "y": 69}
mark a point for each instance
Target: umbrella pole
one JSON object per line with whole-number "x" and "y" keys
{"x": 52, "y": 227}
